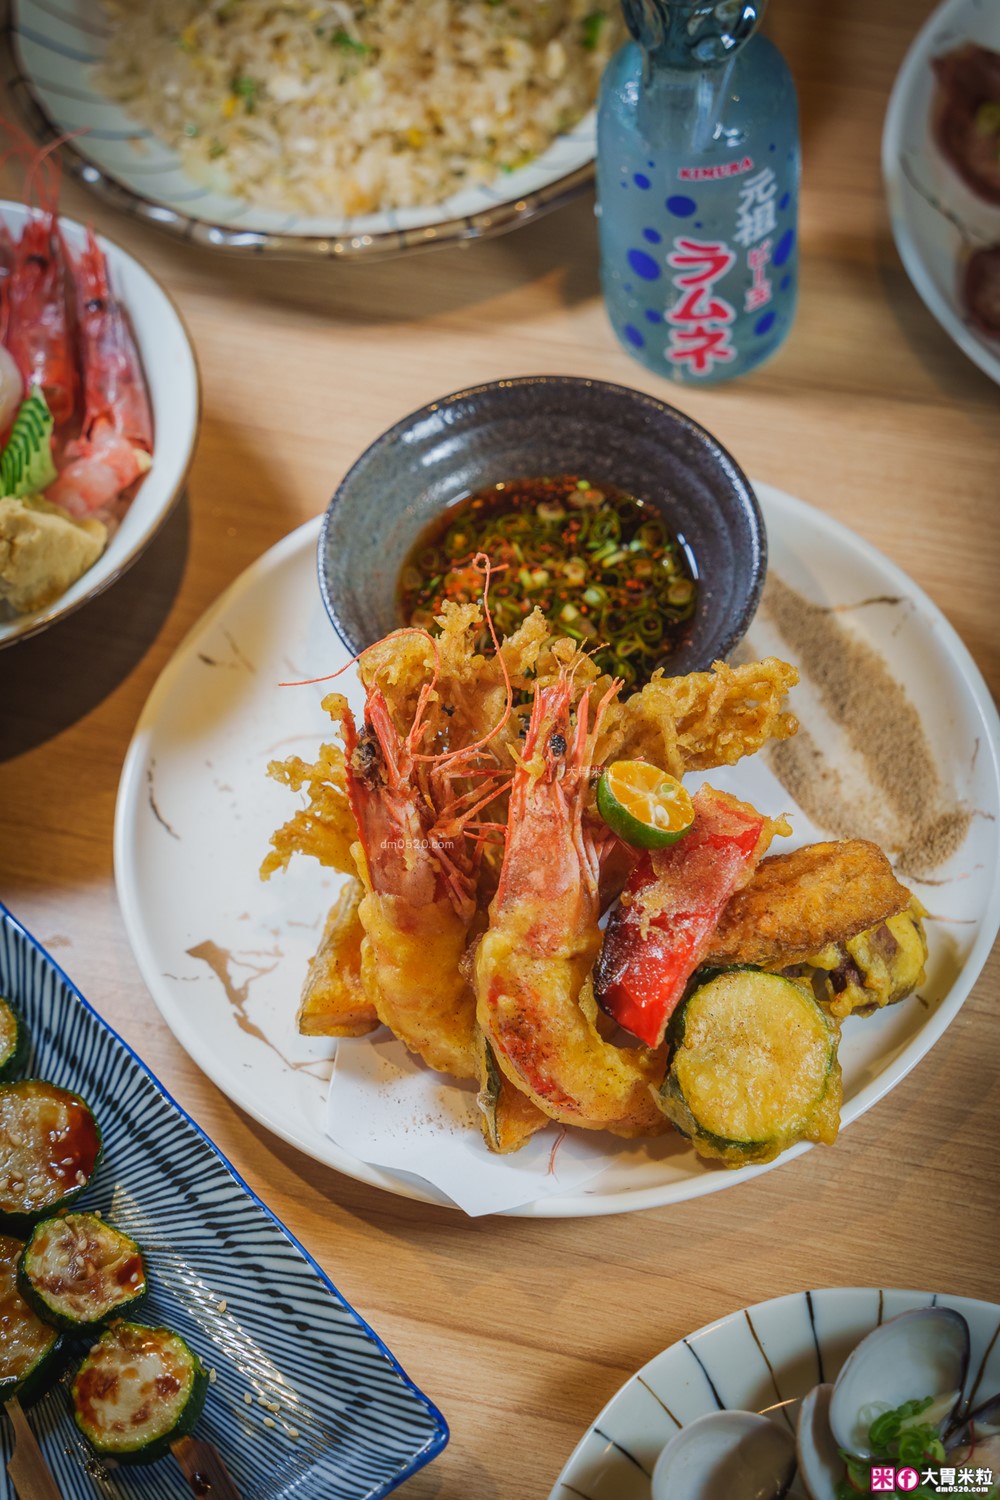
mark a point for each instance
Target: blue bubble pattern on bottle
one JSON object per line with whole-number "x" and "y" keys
{"x": 698, "y": 174}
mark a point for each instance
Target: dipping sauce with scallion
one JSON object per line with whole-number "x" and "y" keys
{"x": 603, "y": 567}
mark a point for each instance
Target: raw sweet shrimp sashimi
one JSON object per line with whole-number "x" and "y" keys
{"x": 76, "y": 429}
{"x": 65, "y": 336}
{"x": 116, "y": 441}
{"x": 39, "y": 319}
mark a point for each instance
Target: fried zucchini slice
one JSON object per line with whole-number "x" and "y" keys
{"x": 753, "y": 1068}
{"x": 878, "y": 967}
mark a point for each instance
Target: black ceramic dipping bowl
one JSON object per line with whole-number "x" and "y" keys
{"x": 527, "y": 428}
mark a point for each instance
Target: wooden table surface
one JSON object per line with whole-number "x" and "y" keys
{"x": 521, "y": 1329}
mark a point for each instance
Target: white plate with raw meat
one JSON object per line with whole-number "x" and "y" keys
{"x": 161, "y": 359}
{"x": 941, "y": 223}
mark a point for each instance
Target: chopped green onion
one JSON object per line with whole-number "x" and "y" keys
{"x": 651, "y": 534}
{"x": 590, "y": 29}
{"x": 348, "y": 43}
{"x": 598, "y": 563}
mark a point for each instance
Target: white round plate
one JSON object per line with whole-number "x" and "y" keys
{"x": 172, "y": 379}
{"x": 54, "y": 49}
{"x": 936, "y": 219}
{"x": 763, "y": 1358}
{"x": 224, "y": 955}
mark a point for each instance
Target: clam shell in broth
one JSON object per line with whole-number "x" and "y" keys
{"x": 726, "y": 1455}
{"x": 821, "y": 1467}
{"x": 920, "y": 1353}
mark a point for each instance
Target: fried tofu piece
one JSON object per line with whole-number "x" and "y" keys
{"x": 333, "y": 997}
{"x": 798, "y": 903}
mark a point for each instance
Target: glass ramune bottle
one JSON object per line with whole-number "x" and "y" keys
{"x": 697, "y": 181}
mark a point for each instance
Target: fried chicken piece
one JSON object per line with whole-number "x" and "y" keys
{"x": 334, "y": 1002}
{"x": 798, "y": 903}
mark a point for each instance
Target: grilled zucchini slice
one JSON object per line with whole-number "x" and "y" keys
{"x": 13, "y": 1040}
{"x": 77, "y": 1272}
{"x": 138, "y": 1390}
{"x": 49, "y": 1148}
{"x": 28, "y": 1347}
{"x": 753, "y": 1068}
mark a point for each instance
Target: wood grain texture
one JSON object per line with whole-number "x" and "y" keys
{"x": 522, "y": 1330}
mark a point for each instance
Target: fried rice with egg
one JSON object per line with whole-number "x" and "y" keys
{"x": 347, "y": 107}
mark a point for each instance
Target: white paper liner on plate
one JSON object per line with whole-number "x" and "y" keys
{"x": 390, "y": 1110}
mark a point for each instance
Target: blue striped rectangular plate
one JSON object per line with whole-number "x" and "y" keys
{"x": 306, "y": 1400}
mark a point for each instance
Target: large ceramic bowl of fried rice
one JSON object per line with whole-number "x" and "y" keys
{"x": 321, "y": 127}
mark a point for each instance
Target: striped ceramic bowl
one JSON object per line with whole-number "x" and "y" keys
{"x": 305, "y": 1399}
{"x": 55, "y": 43}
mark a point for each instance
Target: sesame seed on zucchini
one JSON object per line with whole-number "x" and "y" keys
{"x": 28, "y": 1347}
{"x": 13, "y": 1040}
{"x": 138, "y": 1390}
{"x": 77, "y": 1272}
{"x": 753, "y": 1068}
{"x": 49, "y": 1149}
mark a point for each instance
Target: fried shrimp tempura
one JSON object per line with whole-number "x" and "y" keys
{"x": 798, "y": 902}
{"x": 419, "y": 810}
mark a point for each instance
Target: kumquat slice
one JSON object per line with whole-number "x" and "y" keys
{"x": 645, "y": 806}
